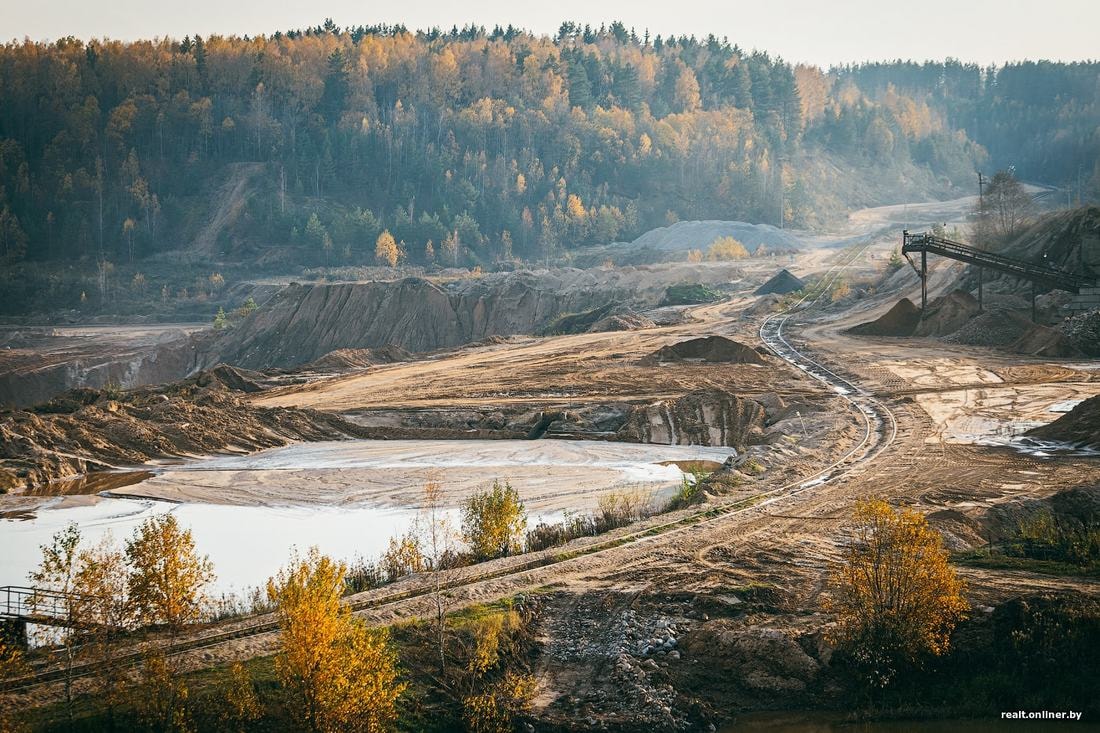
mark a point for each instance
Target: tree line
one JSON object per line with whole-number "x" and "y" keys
{"x": 497, "y": 143}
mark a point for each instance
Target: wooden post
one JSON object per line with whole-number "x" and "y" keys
{"x": 980, "y": 271}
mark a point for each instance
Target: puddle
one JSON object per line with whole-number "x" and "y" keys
{"x": 1041, "y": 448}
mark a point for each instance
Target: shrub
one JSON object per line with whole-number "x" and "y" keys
{"x": 493, "y": 522}
{"x": 725, "y": 249}
{"x": 895, "y": 596}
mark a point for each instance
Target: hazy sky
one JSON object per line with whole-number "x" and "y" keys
{"x": 819, "y": 31}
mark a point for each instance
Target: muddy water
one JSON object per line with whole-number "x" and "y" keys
{"x": 346, "y": 497}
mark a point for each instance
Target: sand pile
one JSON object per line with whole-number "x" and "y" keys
{"x": 947, "y": 314}
{"x": 231, "y": 378}
{"x": 764, "y": 305}
{"x": 1079, "y": 426}
{"x": 685, "y": 235}
{"x": 627, "y": 320}
{"x": 1045, "y": 341}
{"x": 781, "y": 283}
{"x": 708, "y": 349}
{"x": 901, "y": 320}
{"x": 339, "y": 360}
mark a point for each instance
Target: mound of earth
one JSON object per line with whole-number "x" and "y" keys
{"x": 90, "y": 429}
{"x": 901, "y": 320}
{"x": 947, "y": 314}
{"x": 707, "y": 417}
{"x": 628, "y": 320}
{"x": 1045, "y": 341}
{"x": 228, "y": 377}
{"x": 339, "y": 360}
{"x": 1083, "y": 331}
{"x": 1079, "y": 426}
{"x": 686, "y": 235}
{"x": 610, "y": 317}
{"x": 781, "y": 283}
{"x": 999, "y": 327}
{"x": 764, "y": 305}
{"x": 709, "y": 349}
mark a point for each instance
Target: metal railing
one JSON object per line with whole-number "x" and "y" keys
{"x": 37, "y": 605}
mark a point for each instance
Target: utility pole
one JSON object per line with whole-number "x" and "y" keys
{"x": 981, "y": 231}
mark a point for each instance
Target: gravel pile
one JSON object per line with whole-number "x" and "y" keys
{"x": 999, "y": 327}
{"x": 1083, "y": 331}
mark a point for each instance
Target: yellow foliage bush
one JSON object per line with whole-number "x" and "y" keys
{"x": 896, "y": 597}
{"x": 495, "y": 709}
{"x": 493, "y": 522}
{"x": 726, "y": 248}
{"x": 339, "y": 674}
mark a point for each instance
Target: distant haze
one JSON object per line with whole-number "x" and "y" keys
{"x": 815, "y": 31}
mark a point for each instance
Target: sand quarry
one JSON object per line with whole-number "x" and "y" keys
{"x": 947, "y": 401}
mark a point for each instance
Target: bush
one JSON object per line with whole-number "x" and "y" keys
{"x": 895, "y": 596}
{"x": 726, "y": 249}
{"x": 690, "y": 294}
{"x": 493, "y": 522}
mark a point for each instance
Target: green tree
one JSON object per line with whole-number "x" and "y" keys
{"x": 493, "y": 521}
{"x": 315, "y": 231}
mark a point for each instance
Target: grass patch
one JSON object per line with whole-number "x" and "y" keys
{"x": 982, "y": 559}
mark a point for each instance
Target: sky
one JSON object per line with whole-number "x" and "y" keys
{"x": 822, "y": 32}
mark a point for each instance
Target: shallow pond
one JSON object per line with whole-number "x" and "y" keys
{"x": 346, "y": 497}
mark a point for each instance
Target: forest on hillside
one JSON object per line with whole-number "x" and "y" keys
{"x": 471, "y": 146}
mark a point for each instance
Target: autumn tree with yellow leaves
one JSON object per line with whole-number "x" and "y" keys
{"x": 168, "y": 578}
{"x": 385, "y": 249}
{"x": 339, "y": 674}
{"x": 895, "y": 596}
{"x": 167, "y": 584}
{"x": 104, "y": 611}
